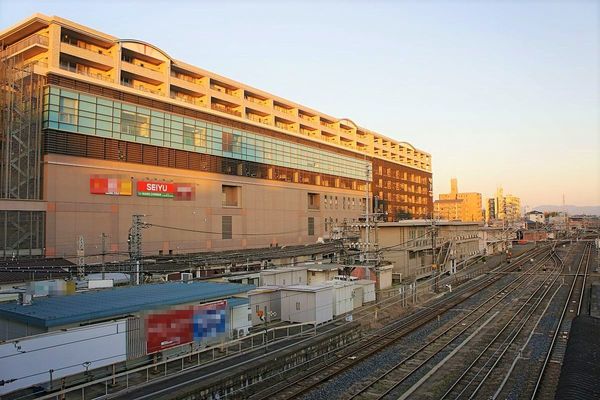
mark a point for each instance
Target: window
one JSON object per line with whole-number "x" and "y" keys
{"x": 194, "y": 136}
{"x": 226, "y": 227}
{"x": 135, "y": 124}
{"x": 128, "y": 124}
{"x": 230, "y": 196}
{"x": 297, "y": 306}
{"x": 257, "y": 308}
{"x": 231, "y": 142}
{"x": 313, "y": 201}
{"x": 311, "y": 226}
{"x": 67, "y": 111}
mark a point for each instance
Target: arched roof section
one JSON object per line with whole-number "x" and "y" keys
{"x": 144, "y": 48}
{"x": 349, "y": 122}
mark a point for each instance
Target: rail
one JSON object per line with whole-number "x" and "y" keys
{"x": 587, "y": 252}
{"x": 379, "y": 339}
{"x": 23, "y": 44}
{"x": 81, "y": 71}
{"x": 506, "y": 343}
{"x": 225, "y": 109}
{"x": 462, "y": 326}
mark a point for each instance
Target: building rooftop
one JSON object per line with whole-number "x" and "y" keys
{"x": 306, "y": 288}
{"x": 324, "y": 267}
{"x": 26, "y": 270}
{"x": 273, "y": 271}
{"x": 423, "y": 222}
{"x": 105, "y": 304}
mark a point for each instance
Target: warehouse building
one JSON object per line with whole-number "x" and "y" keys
{"x": 66, "y": 335}
{"x": 103, "y": 129}
{"x": 54, "y": 313}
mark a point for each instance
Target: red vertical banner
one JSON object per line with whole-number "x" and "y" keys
{"x": 169, "y": 328}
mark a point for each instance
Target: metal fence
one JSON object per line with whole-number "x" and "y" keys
{"x": 170, "y": 366}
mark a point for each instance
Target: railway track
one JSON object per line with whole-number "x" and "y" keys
{"x": 408, "y": 374}
{"x": 340, "y": 361}
{"x": 547, "y": 378}
{"x": 481, "y": 374}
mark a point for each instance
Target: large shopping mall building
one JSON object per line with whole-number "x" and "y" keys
{"x": 96, "y": 129}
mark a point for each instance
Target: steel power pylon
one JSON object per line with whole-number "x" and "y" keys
{"x": 135, "y": 246}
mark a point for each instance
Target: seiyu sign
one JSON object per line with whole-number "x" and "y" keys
{"x": 155, "y": 189}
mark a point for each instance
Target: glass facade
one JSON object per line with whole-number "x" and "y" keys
{"x": 71, "y": 111}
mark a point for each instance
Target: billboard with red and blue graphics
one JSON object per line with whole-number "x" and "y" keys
{"x": 184, "y": 324}
{"x": 210, "y": 320}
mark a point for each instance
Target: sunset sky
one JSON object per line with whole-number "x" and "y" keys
{"x": 500, "y": 93}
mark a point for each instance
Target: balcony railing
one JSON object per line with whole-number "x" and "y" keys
{"x": 284, "y": 126}
{"x": 83, "y": 71}
{"x": 306, "y": 117}
{"x": 222, "y": 89}
{"x": 257, "y": 101}
{"x": 257, "y": 118}
{"x": 283, "y": 110}
{"x": 23, "y": 44}
{"x": 187, "y": 99}
{"x": 140, "y": 64}
{"x": 225, "y": 109}
{"x": 83, "y": 45}
{"x": 142, "y": 88}
{"x": 187, "y": 78}
{"x": 148, "y": 90}
{"x": 308, "y": 132}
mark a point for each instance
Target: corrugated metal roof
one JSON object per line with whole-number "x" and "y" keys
{"x": 103, "y": 304}
{"x": 237, "y": 302}
{"x": 34, "y": 269}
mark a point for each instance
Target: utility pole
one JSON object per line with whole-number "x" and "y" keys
{"x": 103, "y": 237}
{"x": 367, "y": 223}
{"x": 433, "y": 255}
{"x": 81, "y": 258}
{"x": 135, "y": 246}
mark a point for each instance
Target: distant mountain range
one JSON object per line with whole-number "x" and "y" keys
{"x": 571, "y": 210}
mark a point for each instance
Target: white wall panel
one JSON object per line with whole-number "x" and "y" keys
{"x": 29, "y": 360}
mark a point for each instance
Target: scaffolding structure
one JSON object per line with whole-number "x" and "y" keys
{"x": 21, "y": 101}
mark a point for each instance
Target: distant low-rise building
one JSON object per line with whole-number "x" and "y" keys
{"x": 494, "y": 240}
{"x": 535, "y": 216}
{"x": 410, "y": 244}
{"x": 503, "y": 208}
{"x": 455, "y": 206}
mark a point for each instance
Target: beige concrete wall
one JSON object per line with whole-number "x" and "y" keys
{"x": 270, "y": 212}
{"x": 413, "y": 239}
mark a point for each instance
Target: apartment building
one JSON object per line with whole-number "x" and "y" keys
{"x": 97, "y": 129}
{"x": 503, "y": 208}
{"x": 455, "y": 206}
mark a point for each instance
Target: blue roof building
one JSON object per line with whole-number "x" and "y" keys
{"x": 51, "y": 313}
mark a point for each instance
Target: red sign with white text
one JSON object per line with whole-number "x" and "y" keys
{"x": 169, "y": 328}
{"x": 155, "y": 189}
